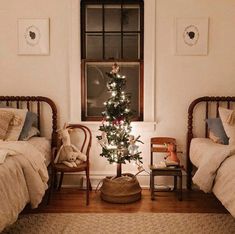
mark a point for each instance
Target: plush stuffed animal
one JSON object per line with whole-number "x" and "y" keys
{"x": 133, "y": 148}
{"x": 172, "y": 155}
{"x": 68, "y": 153}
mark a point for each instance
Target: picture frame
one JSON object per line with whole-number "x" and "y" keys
{"x": 192, "y": 36}
{"x": 33, "y": 36}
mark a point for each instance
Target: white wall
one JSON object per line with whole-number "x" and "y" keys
{"x": 177, "y": 79}
{"x": 35, "y": 75}
{"x": 180, "y": 79}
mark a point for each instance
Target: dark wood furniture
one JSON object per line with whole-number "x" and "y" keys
{"x": 158, "y": 146}
{"x": 210, "y": 106}
{"x": 38, "y": 105}
{"x": 85, "y": 138}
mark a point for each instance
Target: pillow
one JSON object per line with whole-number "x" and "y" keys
{"x": 216, "y": 131}
{"x": 30, "y": 120}
{"x": 228, "y": 120}
{"x": 5, "y": 119}
{"x": 32, "y": 132}
{"x": 16, "y": 123}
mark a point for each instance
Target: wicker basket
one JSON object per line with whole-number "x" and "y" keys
{"x": 125, "y": 189}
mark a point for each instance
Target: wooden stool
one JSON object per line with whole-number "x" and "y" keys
{"x": 158, "y": 145}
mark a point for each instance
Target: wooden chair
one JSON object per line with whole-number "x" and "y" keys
{"x": 158, "y": 146}
{"x": 81, "y": 138}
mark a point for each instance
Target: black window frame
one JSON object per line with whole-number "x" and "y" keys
{"x": 84, "y": 60}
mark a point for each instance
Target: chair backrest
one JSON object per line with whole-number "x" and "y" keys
{"x": 158, "y": 144}
{"x": 81, "y": 137}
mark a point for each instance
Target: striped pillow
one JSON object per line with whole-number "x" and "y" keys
{"x": 5, "y": 119}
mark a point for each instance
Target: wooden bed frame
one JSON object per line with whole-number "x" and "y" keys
{"x": 32, "y": 103}
{"x": 191, "y": 112}
{"x": 36, "y": 104}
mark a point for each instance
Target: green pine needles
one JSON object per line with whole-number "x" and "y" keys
{"x": 118, "y": 145}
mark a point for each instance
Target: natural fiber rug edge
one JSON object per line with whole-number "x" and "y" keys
{"x": 123, "y": 223}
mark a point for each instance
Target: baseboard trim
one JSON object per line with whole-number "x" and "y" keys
{"x": 72, "y": 180}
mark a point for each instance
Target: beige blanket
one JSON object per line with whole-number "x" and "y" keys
{"x": 23, "y": 179}
{"x": 216, "y": 170}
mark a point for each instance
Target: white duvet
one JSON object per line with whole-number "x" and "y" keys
{"x": 216, "y": 169}
{"x": 23, "y": 179}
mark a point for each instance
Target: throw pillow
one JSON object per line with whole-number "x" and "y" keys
{"x": 216, "y": 131}
{"x": 16, "y": 124}
{"x": 30, "y": 120}
{"x": 228, "y": 120}
{"x": 32, "y": 132}
{"x": 5, "y": 119}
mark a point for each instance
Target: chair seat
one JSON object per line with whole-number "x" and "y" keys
{"x": 165, "y": 168}
{"x": 63, "y": 168}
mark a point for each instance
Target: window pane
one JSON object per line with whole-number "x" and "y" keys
{"x": 112, "y": 17}
{"x": 94, "y": 18}
{"x": 96, "y": 80}
{"x": 131, "y": 19}
{"x": 131, "y": 46}
{"x": 97, "y": 93}
{"x": 112, "y": 46}
{"x": 132, "y": 73}
{"x": 94, "y": 44}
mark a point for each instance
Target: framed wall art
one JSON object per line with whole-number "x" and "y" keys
{"x": 192, "y": 36}
{"x": 33, "y": 36}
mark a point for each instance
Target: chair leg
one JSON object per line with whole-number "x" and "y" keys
{"x": 61, "y": 179}
{"x": 180, "y": 189}
{"x": 150, "y": 183}
{"x": 175, "y": 182}
{"x": 87, "y": 187}
{"x": 90, "y": 187}
{"x": 55, "y": 180}
{"x": 152, "y": 186}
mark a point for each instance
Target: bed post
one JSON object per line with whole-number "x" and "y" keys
{"x": 189, "y": 138}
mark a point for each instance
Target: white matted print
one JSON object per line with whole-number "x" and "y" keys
{"x": 192, "y": 36}
{"x": 33, "y": 36}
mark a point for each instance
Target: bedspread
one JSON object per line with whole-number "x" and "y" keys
{"x": 213, "y": 156}
{"x": 23, "y": 179}
{"x": 215, "y": 172}
{"x": 224, "y": 184}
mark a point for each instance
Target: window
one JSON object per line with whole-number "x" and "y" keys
{"x": 111, "y": 30}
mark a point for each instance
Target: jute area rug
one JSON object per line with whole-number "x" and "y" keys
{"x": 136, "y": 223}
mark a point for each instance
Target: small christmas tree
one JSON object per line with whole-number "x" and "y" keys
{"x": 118, "y": 146}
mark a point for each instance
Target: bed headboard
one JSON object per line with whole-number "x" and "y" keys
{"x": 209, "y": 103}
{"x": 35, "y": 104}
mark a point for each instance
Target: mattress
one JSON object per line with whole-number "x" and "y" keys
{"x": 43, "y": 145}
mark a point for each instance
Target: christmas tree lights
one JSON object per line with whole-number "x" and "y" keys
{"x": 118, "y": 145}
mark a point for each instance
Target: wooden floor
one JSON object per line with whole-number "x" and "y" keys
{"x": 73, "y": 201}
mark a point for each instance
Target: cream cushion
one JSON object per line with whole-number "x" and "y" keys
{"x": 5, "y": 119}
{"x": 228, "y": 120}
{"x": 16, "y": 123}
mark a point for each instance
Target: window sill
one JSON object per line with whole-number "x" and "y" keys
{"x": 143, "y": 126}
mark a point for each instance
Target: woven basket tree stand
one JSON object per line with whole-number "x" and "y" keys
{"x": 123, "y": 189}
